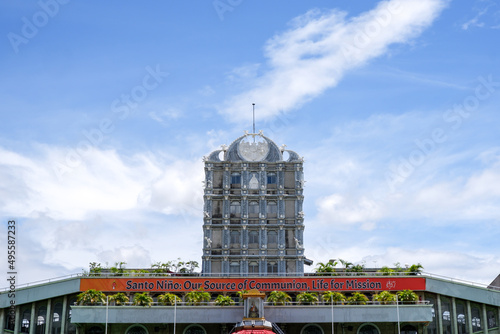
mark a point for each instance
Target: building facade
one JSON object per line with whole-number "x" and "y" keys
{"x": 253, "y": 216}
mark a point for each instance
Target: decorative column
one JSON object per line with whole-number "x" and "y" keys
{"x": 48, "y": 317}
{"x": 484, "y": 319}
{"x": 439, "y": 315}
{"x": 2, "y": 320}
{"x": 63, "y": 313}
{"x": 263, "y": 266}
{"x": 33, "y": 318}
{"x": 469, "y": 318}
{"x": 454, "y": 327}
{"x": 281, "y": 266}
{"x": 18, "y": 320}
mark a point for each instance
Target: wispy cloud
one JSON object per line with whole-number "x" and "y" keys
{"x": 474, "y": 22}
{"x": 321, "y": 46}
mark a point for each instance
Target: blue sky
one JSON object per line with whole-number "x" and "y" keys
{"x": 108, "y": 109}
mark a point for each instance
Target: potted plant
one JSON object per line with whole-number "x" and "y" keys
{"x": 357, "y": 270}
{"x": 326, "y": 268}
{"x": 119, "y": 298}
{"x": 222, "y": 300}
{"x": 407, "y": 296}
{"x": 357, "y": 298}
{"x": 118, "y": 269}
{"x": 307, "y": 298}
{"x": 142, "y": 299}
{"x": 169, "y": 299}
{"x": 414, "y": 269}
{"x": 196, "y": 297}
{"x": 91, "y": 297}
{"x": 386, "y": 271}
{"x": 95, "y": 269}
{"x": 330, "y": 297}
{"x": 384, "y": 297}
{"x": 279, "y": 298}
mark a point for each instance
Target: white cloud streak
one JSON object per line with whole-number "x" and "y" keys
{"x": 321, "y": 47}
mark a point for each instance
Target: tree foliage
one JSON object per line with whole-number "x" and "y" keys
{"x": 414, "y": 269}
{"x": 330, "y": 297}
{"x": 279, "y": 298}
{"x": 307, "y": 298}
{"x": 119, "y": 298}
{"x": 142, "y": 299}
{"x": 384, "y": 297}
{"x": 326, "y": 268}
{"x": 169, "y": 299}
{"x": 357, "y": 298}
{"x": 407, "y": 296}
{"x": 196, "y": 297}
{"x": 222, "y": 300}
{"x": 91, "y": 297}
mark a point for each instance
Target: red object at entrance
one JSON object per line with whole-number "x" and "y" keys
{"x": 254, "y": 331}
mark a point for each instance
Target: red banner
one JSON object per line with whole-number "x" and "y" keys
{"x": 185, "y": 284}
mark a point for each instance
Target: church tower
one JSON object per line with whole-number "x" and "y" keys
{"x": 253, "y": 218}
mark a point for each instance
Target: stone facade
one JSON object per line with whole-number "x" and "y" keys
{"x": 253, "y": 216}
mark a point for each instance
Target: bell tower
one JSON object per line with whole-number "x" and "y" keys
{"x": 253, "y": 217}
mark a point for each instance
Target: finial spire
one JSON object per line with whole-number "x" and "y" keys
{"x": 253, "y": 106}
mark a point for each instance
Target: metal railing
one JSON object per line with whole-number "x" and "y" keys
{"x": 131, "y": 274}
{"x": 266, "y": 303}
{"x": 45, "y": 281}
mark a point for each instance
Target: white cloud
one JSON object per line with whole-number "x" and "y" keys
{"x": 337, "y": 210}
{"x": 109, "y": 208}
{"x": 104, "y": 180}
{"x": 166, "y": 115}
{"x": 453, "y": 263}
{"x": 321, "y": 46}
{"x": 474, "y": 22}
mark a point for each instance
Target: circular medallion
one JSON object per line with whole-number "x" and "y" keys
{"x": 254, "y": 148}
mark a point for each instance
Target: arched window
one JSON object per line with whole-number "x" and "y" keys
{"x": 25, "y": 323}
{"x": 235, "y": 237}
{"x": 432, "y": 327}
{"x": 235, "y": 208}
{"x": 271, "y": 178}
{"x": 311, "y": 329}
{"x": 492, "y": 319}
{"x": 56, "y": 318}
{"x": 194, "y": 329}
{"x": 446, "y": 316}
{"x": 137, "y": 329}
{"x": 234, "y": 267}
{"x": 253, "y": 267}
{"x": 368, "y": 329}
{"x": 272, "y": 267}
{"x": 253, "y": 207}
{"x": 476, "y": 319}
{"x": 461, "y": 318}
{"x": 253, "y": 237}
{"x": 40, "y": 320}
